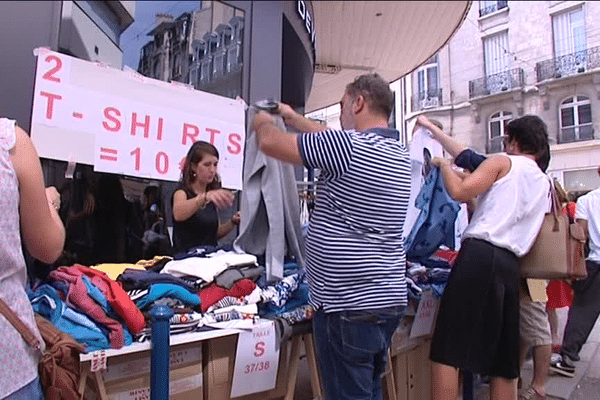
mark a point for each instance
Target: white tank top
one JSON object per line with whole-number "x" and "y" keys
{"x": 510, "y": 213}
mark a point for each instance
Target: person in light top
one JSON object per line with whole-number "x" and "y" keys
{"x": 477, "y": 327}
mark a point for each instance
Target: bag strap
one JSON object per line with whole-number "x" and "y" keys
{"x": 16, "y": 322}
{"x": 555, "y": 205}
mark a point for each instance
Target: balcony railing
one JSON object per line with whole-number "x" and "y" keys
{"x": 569, "y": 64}
{"x": 496, "y": 83}
{"x": 576, "y": 133}
{"x": 494, "y": 7}
{"x": 428, "y": 99}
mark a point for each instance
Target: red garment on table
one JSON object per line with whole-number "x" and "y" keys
{"x": 448, "y": 255}
{"x": 118, "y": 298}
{"x": 213, "y": 293}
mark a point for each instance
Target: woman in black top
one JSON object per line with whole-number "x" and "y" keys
{"x": 196, "y": 201}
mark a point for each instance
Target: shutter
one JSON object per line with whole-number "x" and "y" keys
{"x": 496, "y": 52}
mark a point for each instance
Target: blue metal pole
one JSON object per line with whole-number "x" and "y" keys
{"x": 159, "y": 355}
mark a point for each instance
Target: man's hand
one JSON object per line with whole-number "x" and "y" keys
{"x": 286, "y": 112}
{"x": 262, "y": 118}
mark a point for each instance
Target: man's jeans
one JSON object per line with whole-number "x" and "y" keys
{"x": 31, "y": 391}
{"x": 583, "y": 313}
{"x": 352, "y": 348}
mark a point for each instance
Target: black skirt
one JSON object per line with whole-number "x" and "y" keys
{"x": 477, "y": 327}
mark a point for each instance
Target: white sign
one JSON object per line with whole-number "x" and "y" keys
{"x": 256, "y": 361}
{"x": 124, "y": 123}
{"x": 423, "y": 147}
{"x": 425, "y": 316}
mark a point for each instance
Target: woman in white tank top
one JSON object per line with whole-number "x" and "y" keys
{"x": 477, "y": 329}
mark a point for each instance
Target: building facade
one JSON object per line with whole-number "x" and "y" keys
{"x": 512, "y": 58}
{"x": 89, "y": 30}
{"x": 200, "y": 48}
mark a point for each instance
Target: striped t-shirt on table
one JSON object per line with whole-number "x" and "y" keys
{"x": 355, "y": 257}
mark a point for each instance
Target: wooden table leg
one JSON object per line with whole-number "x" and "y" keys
{"x": 100, "y": 384}
{"x": 83, "y": 382}
{"x": 311, "y": 357}
{"x": 389, "y": 378}
{"x": 293, "y": 367}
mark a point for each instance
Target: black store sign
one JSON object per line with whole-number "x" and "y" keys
{"x": 307, "y": 18}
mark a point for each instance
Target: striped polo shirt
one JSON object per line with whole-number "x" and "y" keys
{"x": 354, "y": 250}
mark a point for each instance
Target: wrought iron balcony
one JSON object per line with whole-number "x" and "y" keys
{"x": 428, "y": 99}
{"x": 496, "y": 83}
{"x": 576, "y": 133}
{"x": 494, "y": 7}
{"x": 569, "y": 64}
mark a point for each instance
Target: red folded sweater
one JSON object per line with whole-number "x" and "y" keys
{"x": 213, "y": 293}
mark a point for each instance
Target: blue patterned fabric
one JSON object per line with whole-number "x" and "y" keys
{"x": 435, "y": 223}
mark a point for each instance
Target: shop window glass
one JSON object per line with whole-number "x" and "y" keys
{"x": 179, "y": 30}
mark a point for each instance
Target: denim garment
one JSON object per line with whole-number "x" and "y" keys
{"x": 352, "y": 348}
{"x": 31, "y": 391}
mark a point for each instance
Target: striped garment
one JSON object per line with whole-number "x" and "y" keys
{"x": 355, "y": 257}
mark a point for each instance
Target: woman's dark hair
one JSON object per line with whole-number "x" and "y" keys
{"x": 531, "y": 134}
{"x": 196, "y": 153}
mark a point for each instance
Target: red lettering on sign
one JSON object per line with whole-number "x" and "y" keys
{"x": 189, "y": 131}
{"x": 159, "y": 131}
{"x": 50, "y": 106}
{"x": 162, "y": 163}
{"x": 108, "y": 111}
{"x": 235, "y": 146}
{"x": 50, "y": 74}
{"x": 135, "y": 124}
{"x": 260, "y": 349}
{"x": 137, "y": 153}
{"x": 213, "y": 132}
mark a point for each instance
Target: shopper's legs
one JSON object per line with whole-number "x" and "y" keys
{"x": 583, "y": 313}
{"x": 535, "y": 332}
{"x": 444, "y": 381}
{"x": 352, "y": 351}
{"x": 503, "y": 389}
{"x": 553, "y": 320}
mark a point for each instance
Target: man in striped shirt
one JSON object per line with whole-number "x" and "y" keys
{"x": 355, "y": 259}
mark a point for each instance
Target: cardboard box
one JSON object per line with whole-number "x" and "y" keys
{"x": 401, "y": 340}
{"x": 219, "y": 368}
{"x": 128, "y": 376}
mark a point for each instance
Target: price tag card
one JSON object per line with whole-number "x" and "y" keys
{"x": 425, "y": 316}
{"x": 256, "y": 361}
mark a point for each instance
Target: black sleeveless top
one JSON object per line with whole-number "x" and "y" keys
{"x": 199, "y": 229}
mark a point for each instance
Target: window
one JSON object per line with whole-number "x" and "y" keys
{"x": 497, "y": 127}
{"x": 568, "y": 30}
{"x": 428, "y": 91}
{"x": 575, "y": 120}
{"x": 488, "y": 7}
{"x": 496, "y": 53}
{"x": 582, "y": 180}
{"x": 497, "y": 62}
